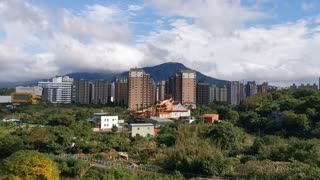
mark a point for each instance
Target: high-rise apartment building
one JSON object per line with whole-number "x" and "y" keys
{"x": 111, "y": 92}
{"x": 309, "y": 86}
{"x": 218, "y": 94}
{"x": 141, "y": 89}
{"x": 59, "y": 90}
{"x": 170, "y": 87}
{"x": 183, "y": 87}
{"x": 262, "y": 88}
{"x": 82, "y": 93}
{"x": 251, "y": 88}
{"x": 121, "y": 91}
{"x": 236, "y": 92}
{"x": 91, "y": 92}
{"x": 214, "y": 94}
{"x": 160, "y": 91}
{"x": 223, "y": 94}
{"x": 100, "y": 92}
{"x": 313, "y": 86}
{"x": 203, "y": 95}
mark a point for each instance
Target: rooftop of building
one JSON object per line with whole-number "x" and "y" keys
{"x": 187, "y": 71}
{"x": 203, "y": 83}
{"x": 161, "y": 120}
{"x": 137, "y": 69}
{"x": 101, "y": 114}
{"x": 170, "y": 105}
{"x": 141, "y": 124}
{"x": 209, "y": 115}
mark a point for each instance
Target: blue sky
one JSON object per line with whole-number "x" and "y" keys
{"x": 262, "y": 40}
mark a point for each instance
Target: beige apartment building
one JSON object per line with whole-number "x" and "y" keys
{"x": 184, "y": 87}
{"x": 141, "y": 89}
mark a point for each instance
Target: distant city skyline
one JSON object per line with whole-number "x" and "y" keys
{"x": 262, "y": 40}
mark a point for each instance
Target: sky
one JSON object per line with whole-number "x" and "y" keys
{"x": 262, "y": 40}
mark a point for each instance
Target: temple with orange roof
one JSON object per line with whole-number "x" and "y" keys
{"x": 171, "y": 109}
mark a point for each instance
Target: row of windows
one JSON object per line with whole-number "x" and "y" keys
{"x": 139, "y": 128}
{"x": 107, "y": 125}
{"x": 108, "y": 120}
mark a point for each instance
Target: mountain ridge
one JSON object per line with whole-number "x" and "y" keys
{"x": 158, "y": 73}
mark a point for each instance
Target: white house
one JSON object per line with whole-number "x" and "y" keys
{"x": 105, "y": 121}
{"x": 108, "y": 122}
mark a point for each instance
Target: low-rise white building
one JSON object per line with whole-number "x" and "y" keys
{"x": 105, "y": 121}
{"x": 37, "y": 90}
{"x": 5, "y": 99}
{"x": 143, "y": 129}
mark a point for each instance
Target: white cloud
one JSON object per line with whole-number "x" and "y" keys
{"x": 209, "y": 36}
{"x": 16, "y": 65}
{"x": 307, "y": 6}
{"x": 97, "y": 23}
{"x": 279, "y": 53}
{"x": 21, "y": 22}
{"x": 220, "y": 17}
{"x": 134, "y": 7}
{"x": 37, "y": 44}
{"x": 72, "y": 55}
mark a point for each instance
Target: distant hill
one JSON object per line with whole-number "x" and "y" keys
{"x": 165, "y": 70}
{"x": 15, "y": 84}
{"x": 158, "y": 73}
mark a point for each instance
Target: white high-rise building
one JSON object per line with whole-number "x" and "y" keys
{"x": 59, "y": 90}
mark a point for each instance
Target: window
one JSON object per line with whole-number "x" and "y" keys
{"x": 107, "y": 124}
{"x": 104, "y": 125}
{"x": 138, "y": 128}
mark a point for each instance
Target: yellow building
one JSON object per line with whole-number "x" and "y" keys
{"x": 25, "y": 98}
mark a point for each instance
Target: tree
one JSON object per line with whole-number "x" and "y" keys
{"x": 61, "y": 119}
{"x": 227, "y": 137}
{"x": 37, "y": 139}
{"x": 271, "y": 147}
{"x": 82, "y": 115}
{"x": 167, "y": 136}
{"x": 71, "y": 167}
{"x": 193, "y": 154}
{"x": 253, "y": 122}
{"x": 232, "y": 116}
{"x": 295, "y": 124}
{"x": 10, "y": 144}
{"x": 114, "y": 129}
{"x": 30, "y": 165}
{"x": 60, "y": 138}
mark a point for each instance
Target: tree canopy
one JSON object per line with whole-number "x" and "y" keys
{"x": 30, "y": 165}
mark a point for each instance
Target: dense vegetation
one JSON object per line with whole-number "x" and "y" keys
{"x": 268, "y": 136}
